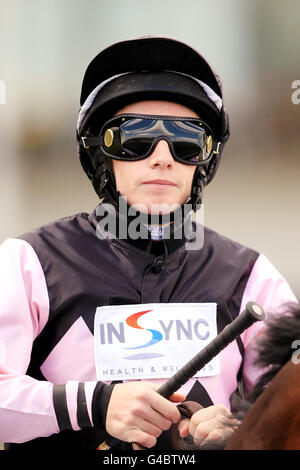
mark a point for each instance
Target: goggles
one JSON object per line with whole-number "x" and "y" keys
{"x": 133, "y": 137}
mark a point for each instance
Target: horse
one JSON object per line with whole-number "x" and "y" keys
{"x": 271, "y": 415}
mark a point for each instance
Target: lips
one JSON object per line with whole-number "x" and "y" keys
{"x": 161, "y": 182}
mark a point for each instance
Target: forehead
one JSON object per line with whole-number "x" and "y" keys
{"x": 167, "y": 108}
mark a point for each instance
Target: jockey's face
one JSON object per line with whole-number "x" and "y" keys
{"x": 158, "y": 182}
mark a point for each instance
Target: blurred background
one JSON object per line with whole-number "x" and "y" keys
{"x": 45, "y": 47}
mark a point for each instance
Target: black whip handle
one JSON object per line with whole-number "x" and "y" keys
{"x": 252, "y": 313}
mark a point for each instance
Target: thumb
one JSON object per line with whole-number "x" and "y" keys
{"x": 183, "y": 427}
{"x": 177, "y": 397}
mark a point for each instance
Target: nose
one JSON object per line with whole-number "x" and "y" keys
{"x": 161, "y": 155}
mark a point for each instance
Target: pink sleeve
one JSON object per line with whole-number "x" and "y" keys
{"x": 26, "y": 404}
{"x": 270, "y": 290}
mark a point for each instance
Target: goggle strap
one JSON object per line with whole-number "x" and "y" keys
{"x": 91, "y": 141}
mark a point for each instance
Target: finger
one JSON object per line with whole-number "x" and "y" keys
{"x": 183, "y": 427}
{"x": 147, "y": 419}
{"x": 165, "y": 408}
{"x": 211, "y": 412}
{"x": 219, "y": 412}
{"x": 216, "y": 439}
{"x": 202, "y": 430}
{"x": 177, "y": 397}
{"x": 214, "y": 429}
{"x": 151, "y": 425}
{"x": 151, "y": 416}
{"x": 138, "y": 437}
{"x": 137, "y": 447}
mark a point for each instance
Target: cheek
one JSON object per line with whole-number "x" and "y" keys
{"x": 187, "y": 173}
{"x": 126, "y": 174}
{"x": 119, "y": 171}
{"x": 114, "y": 168}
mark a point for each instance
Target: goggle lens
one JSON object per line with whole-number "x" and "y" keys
{"x": 133, "y": 137}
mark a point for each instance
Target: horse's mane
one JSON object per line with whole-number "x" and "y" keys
{"x": 274, "y": 349}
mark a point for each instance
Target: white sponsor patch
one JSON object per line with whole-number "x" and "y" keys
{"x": 147, "y": 341}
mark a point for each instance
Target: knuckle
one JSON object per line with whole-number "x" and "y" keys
{"x": 201, "y": 433}
{"x": 222, "y": 409}
{"x": 157, "y": 432}
{"x": 148, "y": 441}
{"x": 166, "y": 425}
{"x": 175, "y": 415}
{"x": 130, "y": 421}
{"x": 217, "y": 435}
{"x": 141, "y": 394}
{"x": 136, "y": 409}
{"x": 195, "y": 418}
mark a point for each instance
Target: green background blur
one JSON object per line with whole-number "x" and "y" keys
{"x": 45, "y": 47}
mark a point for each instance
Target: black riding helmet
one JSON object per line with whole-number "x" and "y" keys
{"x": 142, "y": 69}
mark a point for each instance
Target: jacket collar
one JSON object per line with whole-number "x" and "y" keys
{"x": 138, "y": 232}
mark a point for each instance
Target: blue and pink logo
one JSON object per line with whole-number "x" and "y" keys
{"x": 132, "y": 321}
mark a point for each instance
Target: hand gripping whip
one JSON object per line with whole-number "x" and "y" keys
{"x": 252, "y": 313}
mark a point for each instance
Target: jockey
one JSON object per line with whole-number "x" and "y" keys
{"x": 98, "y": 310}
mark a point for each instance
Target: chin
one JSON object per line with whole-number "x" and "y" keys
{"x": 156, "y": 207}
